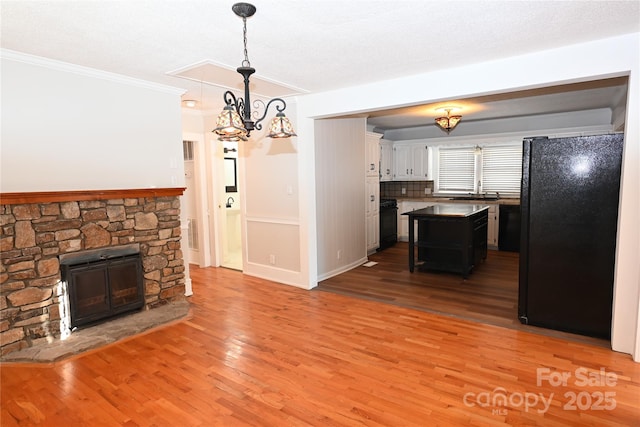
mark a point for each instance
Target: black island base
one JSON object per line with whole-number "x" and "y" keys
{"x": 451, "y": 237}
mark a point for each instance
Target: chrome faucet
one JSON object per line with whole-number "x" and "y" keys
{"x": 230, "y": 201}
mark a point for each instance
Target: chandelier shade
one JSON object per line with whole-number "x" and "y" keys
{"x": 449, "y": 122}
{"x": 236, "y": 121}
{"x": 281, "y": 127}
{"x": 230, "y": 126}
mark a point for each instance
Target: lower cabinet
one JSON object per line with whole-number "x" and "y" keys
{"x": 403, "y": 220}
{"x": 373, "y": 232}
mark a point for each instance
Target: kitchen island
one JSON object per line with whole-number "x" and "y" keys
{"x": 451, "y": 237}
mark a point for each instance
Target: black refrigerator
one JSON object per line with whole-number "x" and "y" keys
{"x": 569, "y": 214}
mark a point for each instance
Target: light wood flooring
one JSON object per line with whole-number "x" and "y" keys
{"x": 257, "y": 353}
{"x": 489, "y": 295}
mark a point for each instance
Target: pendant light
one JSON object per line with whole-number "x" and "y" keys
{"x": 235, "y": 121}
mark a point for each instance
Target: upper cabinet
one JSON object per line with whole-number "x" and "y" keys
{"x": 410, "y": 162}
{"x": 386, "y": 160}
{"x": 372, "y": 154}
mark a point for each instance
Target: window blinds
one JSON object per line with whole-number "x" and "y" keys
{"x": 456, "y": 167}
{"x": 502, "y": 169}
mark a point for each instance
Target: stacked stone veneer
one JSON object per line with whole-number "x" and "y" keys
{"x": 34, "y": 235}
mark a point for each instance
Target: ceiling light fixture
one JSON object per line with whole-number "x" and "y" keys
{"x": 191, "y": 103}
{"x": 448, "y": 123}
{"x": 235, "y": 122}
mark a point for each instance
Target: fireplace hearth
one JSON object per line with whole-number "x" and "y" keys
{"x": 103, "y": 283}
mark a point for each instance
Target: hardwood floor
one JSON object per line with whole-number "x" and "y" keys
{"x": 259, "y": 353}
{"x": 489, "y": 295}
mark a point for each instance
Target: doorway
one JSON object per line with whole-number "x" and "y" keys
{"x": 231, "y": 208}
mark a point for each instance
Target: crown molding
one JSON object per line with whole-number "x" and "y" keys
{"x": 86, "y": 71}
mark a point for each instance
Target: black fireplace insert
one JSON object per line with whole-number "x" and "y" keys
{"x": 103, "y": 283}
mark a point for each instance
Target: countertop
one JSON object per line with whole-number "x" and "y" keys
{"x": 449, "y": 209}
{"x": 505, "y": 201}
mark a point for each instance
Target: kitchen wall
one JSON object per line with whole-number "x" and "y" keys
{"x": 405, "y": 189}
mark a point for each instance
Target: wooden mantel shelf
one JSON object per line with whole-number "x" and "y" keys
{"x": 72, "y": 196}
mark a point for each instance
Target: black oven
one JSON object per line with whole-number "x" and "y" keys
{"x": 388, "y": 223}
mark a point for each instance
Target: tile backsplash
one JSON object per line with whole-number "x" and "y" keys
{"x": 394, "y": 189}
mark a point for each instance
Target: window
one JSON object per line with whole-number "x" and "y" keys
{"x": 488, "y": 169}
{"x": 501, "y": 169}
{"x": 456, "y": 169}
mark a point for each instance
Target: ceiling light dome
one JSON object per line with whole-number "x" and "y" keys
{"x": 449, "y": 122}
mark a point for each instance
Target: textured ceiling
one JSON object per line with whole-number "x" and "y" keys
{"x": 304, "y": 45}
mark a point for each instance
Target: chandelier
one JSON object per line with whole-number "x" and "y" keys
{"x": 236, "y": 121}
{"x": 449, "y": 122}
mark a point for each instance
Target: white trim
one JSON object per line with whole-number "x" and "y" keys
{"x": 342, "y": 269}
{"x": 275, "y": 274}
{"x": 86, "y": 71}
{"x": 273, "y": 220}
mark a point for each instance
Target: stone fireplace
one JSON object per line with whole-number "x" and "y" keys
{"x": 37, "y": 230}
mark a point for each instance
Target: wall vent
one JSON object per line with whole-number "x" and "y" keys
{"x": 193, "y": 234}
{"x": 187, "y": 150}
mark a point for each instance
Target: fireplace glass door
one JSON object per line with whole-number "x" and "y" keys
{"x": 105, "y": 288}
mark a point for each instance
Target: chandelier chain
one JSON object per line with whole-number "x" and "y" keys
{"x": 246, "y": 62}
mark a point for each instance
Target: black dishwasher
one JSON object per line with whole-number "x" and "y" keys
{"x": 509, "y": 228}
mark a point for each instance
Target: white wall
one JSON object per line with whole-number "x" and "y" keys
{"x": 66, "y": 127}
{"x": 269, "y": 190}
{"x": 340, "y": 191}
{"x": 605, "y": 58}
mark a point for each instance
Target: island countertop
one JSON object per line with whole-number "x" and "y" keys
{"x": 448, "y": 209}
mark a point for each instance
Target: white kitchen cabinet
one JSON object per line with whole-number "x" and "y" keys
{"x": 492, "y": 226}
{"x": 372, "y": 154}
{"x": 373, "y": 233}
{"x": 372, "y": 213}
{"x": 420, "y": 157}
{"x": 386, "y": 160}
{"x": 410, "y": 162}
{"x": 372, "y": 190}
{"x": 401, "y": 162}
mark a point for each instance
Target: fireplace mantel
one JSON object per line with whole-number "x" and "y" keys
{"x": 78, "y": 195}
